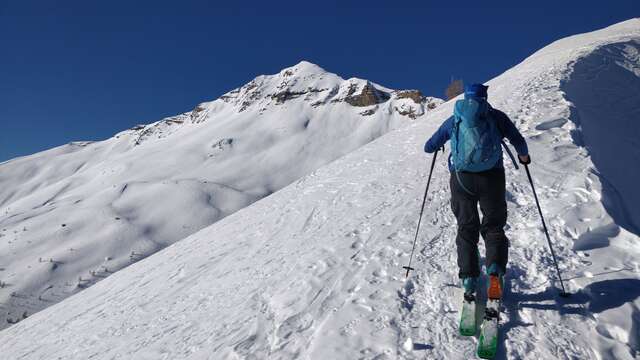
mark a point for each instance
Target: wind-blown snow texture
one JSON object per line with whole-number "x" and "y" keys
{"x": 314, "y": 271}
{"x": 73, "y": 215}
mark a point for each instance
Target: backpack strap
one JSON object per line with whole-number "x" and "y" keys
{"x": 462, "y": 184}
{"x": 456, "y": 130}
{"x": 513, "y": 159}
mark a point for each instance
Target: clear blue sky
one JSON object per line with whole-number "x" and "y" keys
{"x": 84, "y": 70}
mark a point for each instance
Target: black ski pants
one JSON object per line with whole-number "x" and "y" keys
{"x": 467, "y": 191}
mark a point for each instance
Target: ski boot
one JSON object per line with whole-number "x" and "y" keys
{"x": 496, "y": 282}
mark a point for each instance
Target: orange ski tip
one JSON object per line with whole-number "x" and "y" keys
{"x": 495, "y": 289}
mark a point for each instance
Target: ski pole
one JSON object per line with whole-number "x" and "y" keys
{"x": 544, "y": 226}
{"x": 424, "y": 200}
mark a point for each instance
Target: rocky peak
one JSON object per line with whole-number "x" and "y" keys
{"x": 308, "y": 82}
{"x": 304, "y": 82}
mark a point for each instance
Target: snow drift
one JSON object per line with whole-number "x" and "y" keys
{"x": 605, "y": 91}
{"x": 314, "y": 271}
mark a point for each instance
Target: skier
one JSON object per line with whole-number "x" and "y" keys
{"x": 476, "y": 131}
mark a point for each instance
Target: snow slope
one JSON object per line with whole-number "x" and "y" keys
{"x": 72, "y": 215}
{"x": 314, "y": 271}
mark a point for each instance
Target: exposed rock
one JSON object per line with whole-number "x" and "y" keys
{"x": 250, "y": 95}
{"x": 174, "y": 120}
{"x": 367, "y": 97}
{"x": 411, "y": 112}
{"x": 369, "y": 112}
{"x": 250, "y": 85}
{"x": 245, "y": 104}
{"x": 285, "y": 95}
{"x": 195, "y": 113}
{"x": 352, "y": 89}
{"x": 330, "y": 95}
{"x": 222, "y": 143}
{"x": 230, "y": 95}
{"x": 415, "y": 95}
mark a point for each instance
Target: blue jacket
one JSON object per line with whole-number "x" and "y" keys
{"x": 504, "y": 124}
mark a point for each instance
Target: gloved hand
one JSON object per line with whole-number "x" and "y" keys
{"x": 524, "y": 159}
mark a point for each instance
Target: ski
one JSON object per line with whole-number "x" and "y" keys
{"x": 488, "y": 341}
{"x": 468, "y": 316}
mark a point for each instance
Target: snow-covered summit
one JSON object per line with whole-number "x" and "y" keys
{"x": 303, "y": 68}
{"x": 318, "y": 87}
{"x": 314, "y": 271}
{"x": 73, "y": 215}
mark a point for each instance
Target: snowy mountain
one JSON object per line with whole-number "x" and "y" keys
{"x": 315, "y": 270}
{"x": 73, "y": 215}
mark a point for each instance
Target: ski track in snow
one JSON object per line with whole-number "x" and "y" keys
{"x": 314, "y": 271}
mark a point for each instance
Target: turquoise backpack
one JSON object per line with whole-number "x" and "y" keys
{"x": 475, "y": 138}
